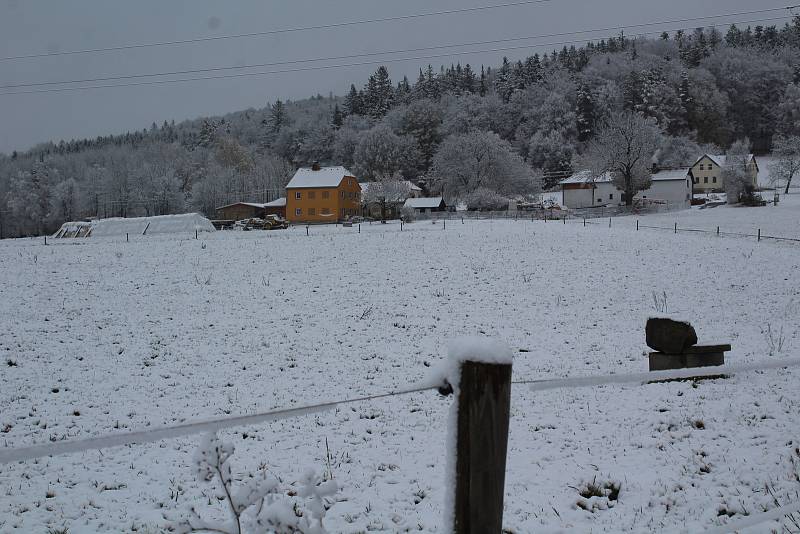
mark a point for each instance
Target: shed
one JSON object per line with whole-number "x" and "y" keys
{"x": 425, "y": 204}
{"x": 276, "y": 207}
{"x": 240, "y": 210}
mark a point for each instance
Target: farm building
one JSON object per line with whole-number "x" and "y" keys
{"x": 381, "y": 200}
{"x": 707, "y": 172}
{"x": 276, "y": 207}
{"x": 240, "y": 210}
{"x": 119, "y": 226}
{"x": 322, "y": 194}
{"x": 425, "y": 204}
{"x": 584, "y": 190}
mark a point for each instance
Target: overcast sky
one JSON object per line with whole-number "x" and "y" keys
{"x": 39, "y": 26}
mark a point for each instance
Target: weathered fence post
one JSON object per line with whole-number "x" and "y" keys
{"x": 195, "y": 233}
{"x": 484, "y": 404}
{"x": 127, "y": 239}
{"x": 676, "y": 228}
{"x": 759, "y": 234}
{"x": 359, "y": 228}
{"x": 444, "y": 224}
{"x": 45, "y": 240}
{"x": 307, "y": 230}
{"x": 637, "y": 225}
{"x": 609, "y": 222}
{"x": 584, "y": 221}
{"x": 717, "y": 231}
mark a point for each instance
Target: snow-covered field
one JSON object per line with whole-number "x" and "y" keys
{"x": 100, "y": 336}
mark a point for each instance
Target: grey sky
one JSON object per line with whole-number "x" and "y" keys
{"x": 36, "y": 26}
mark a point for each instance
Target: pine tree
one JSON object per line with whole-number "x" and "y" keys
{"x": 482, "y": 88}
{"x": 468, "y": 79}
{"x": 503, "y": 83}
{"x": 353, "y": 104}
{"x": 338, "y": 119}
{"x": 584, "y": 113}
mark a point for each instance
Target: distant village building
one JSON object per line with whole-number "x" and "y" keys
{"x": 240, "y": 210}
{"x": 425, "y": 204}
{"x": 385, "y": 199}
{"x": 584, "y": 190}
{"x": 322, "y": 194}
{"x": 707, "y": 172}
{"x": 276, "y": 207}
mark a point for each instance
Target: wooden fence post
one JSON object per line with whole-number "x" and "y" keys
{"x": 45, "y": 240}
{"x": 637, "y": 225}
{"x": 759, "y": 235}
{"x": 609, "y": 222}
{"x": 676, "y": 228}
{"x": 717, "y": 231}
{"x": 484, "y": 405}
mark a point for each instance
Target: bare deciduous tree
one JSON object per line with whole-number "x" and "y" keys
{"x": 787, "y": 153}
{"x": 624, "y": 147}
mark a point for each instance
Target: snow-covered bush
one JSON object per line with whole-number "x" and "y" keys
{"x": 257, "y": 503}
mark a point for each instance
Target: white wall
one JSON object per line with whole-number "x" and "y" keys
{"x": 672, "y": 191}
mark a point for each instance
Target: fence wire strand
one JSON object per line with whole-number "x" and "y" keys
{"x": 150, "y": 435}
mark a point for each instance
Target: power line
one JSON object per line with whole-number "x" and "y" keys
{"x": 278, "y": 31}
{"x": 385, "y": 52}
{"x": 328, "y": 67}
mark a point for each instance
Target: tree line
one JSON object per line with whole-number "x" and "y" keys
{"x": 481, "y": 135}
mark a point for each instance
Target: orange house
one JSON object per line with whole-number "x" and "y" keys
{"x": 322, "y": 194}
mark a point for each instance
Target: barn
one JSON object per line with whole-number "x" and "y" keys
{"x": 240, "y": 210}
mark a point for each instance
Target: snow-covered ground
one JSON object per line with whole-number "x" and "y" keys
{"x": 100, "y": 336}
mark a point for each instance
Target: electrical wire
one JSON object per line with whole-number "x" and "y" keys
{"x": 381, "y": 53}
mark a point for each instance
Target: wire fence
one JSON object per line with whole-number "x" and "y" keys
{"x": 150, "y": 435}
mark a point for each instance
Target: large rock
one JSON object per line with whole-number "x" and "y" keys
{"x": 668, "y": 336}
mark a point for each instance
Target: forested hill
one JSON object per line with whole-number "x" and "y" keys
{"x": 529, "y": 120}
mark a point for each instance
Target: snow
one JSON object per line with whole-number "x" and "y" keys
{"x": 100, "y": 336}
{"x": 587, "y": 177}
{"x": 324, "y": 177}
{"x": 423, "y": 202}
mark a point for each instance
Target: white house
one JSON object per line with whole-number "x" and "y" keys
{"x": 583, "y": 189}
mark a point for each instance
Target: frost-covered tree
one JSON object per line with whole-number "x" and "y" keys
{"x": 381, "y": 153}
{"x": 738, "y": 185}
{"x": 787, "y": 160}
{"x": 387, "y": 190}
{"x": 624, "y": 146}
{"x": 478, "y": 159}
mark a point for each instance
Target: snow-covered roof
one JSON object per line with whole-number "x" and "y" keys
{"x": 586, "y": 177}
{"x": 324, "y": 177}
{"x": 719, "y": 160}
{"x": 160, "y": 224}
{"x": 670, "y": 174}
{"x": 251, "y": 204}
{"x": 277, "y": 203}
{"x": 423, "y": 203}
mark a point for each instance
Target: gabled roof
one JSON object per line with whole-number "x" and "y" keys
{"x": 324, "y": 177}
{"x": 423, "y": 203}
{"x": 277, "y": 203}
{"x": 719, "y": 160}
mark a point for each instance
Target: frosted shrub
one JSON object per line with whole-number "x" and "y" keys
{"x": 257, "y": 504}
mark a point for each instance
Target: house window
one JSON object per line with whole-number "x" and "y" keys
{"x": 687, "y": 182}
{"x": 298, "y": 211}
{"x": 326, "y": 211}
{"x": 714, "y": 179}
{"x": 312, "y": 194}
{"x": 297, "y": 195}
{"x": 611, "y": 196}
{"x": 312, "y": 211}
{"x": 705, "y": 179}
{"x": 342, "y": 212}
{"x": 342, "y": 194}
{"x": 326, "y": 194}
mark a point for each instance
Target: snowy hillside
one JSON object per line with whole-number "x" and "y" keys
{"x": 100, "y": 336}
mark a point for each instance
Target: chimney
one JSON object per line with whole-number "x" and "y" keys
{"x": 315, "y": 166}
